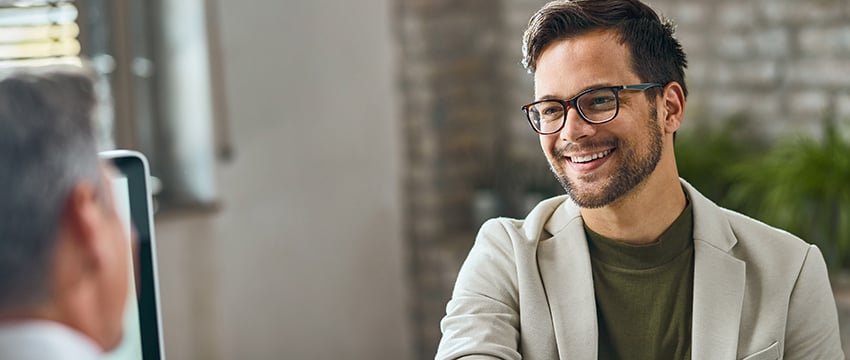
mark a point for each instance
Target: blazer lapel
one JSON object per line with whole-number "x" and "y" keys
{"x": 719, "y": 282}
{"x": 564, "y": 263}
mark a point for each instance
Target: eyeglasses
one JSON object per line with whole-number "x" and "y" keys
{"x": 596, "y": 106}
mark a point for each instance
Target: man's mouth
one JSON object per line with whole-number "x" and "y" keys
{"x": 590, "y": 157}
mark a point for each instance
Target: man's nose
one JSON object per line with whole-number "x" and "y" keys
{"x": 575, "y": 128}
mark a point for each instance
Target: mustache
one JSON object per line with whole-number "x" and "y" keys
{"x": 588, "y": 147}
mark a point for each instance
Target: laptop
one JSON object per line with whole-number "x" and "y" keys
{"x": 142, "y": 322}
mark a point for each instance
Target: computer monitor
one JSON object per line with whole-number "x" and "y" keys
{"x": 142, "y": 322}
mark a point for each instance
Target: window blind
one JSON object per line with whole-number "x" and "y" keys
{"x": 38, "y": 32}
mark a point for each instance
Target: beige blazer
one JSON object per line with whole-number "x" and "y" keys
{"x": 526, "y": 291}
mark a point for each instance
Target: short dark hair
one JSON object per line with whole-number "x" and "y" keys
{"x": 656, "y": 55}
{"x": 47, "y": 145}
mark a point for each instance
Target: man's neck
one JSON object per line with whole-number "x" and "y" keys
{"x": 641, "y": 216}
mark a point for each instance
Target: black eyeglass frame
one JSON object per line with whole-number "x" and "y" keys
{"x": 573, "y": 102}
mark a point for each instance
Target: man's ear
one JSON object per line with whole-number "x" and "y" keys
{"x": 673, "y": 98}
{"x": 82, "y": 217}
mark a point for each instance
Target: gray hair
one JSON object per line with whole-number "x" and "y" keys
{"x": 47, "y": 146}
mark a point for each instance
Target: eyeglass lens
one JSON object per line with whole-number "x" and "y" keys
{"x": 594, "y": 106}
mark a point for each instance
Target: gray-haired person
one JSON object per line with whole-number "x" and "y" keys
{"x": 633, "y": 263}
{"x": 64, "y": 253}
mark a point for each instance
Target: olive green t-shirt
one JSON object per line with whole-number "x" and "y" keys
{"x": 644, "y": 293}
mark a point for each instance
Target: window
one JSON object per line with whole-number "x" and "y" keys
{"x": 147, "y": 88}
{"x": 38, "y": 32}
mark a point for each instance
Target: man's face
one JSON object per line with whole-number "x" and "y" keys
{"x": 116, "y": 277}
{"x": 626, "y": 150}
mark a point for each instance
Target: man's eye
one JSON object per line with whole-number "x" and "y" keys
{"x": 602, "y": 100}
{"x": 551, "y": 110}
{"x": 598, "y": 103}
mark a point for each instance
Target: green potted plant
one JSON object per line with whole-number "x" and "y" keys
{"x": 803, "y": 186}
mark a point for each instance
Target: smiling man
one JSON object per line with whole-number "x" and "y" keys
{"x": 633, "y": 263}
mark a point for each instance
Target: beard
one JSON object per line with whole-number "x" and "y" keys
{"x": 633, "y": 168}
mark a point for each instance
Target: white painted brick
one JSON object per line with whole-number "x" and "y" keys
{"x": 745, "y": 44}
{"x": 747, "y": 73}
{"x": 775, "y": 12}
{"x": 825, "y": 41}
{"x": 808, "y": 105}
{"x": 774, "y": 42}
{"x": 690, "y": 14}
{"x": 698, "y": 73}
{"x": 728, "y": 102}
{"x": 819, "y": 73}
{"x": 733, "y": 45}
{"x": 694, "y": 42}
{"x": 736, "y": 15}
{"x": 797, "y": 12}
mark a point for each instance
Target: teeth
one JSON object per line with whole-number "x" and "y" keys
{"x": 583, "y": 159}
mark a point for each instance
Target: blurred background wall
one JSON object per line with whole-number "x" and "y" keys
{"x": 304, "y": 257}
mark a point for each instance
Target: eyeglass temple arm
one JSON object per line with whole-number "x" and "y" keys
{"x": 643, "y": 86}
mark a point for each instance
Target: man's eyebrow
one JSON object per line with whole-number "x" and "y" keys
{"x": 553, "y": 97}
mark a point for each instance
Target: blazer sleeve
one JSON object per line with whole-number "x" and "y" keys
{"x": 812, "y": 329}
{"x": 482, "y": 318}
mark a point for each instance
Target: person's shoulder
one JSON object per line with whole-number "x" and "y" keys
{"x": 765, "y": 247}
{"x": 725, "y": 228}
{"x": 536, "y": 225}
{"x": 42, "y": 339}
{"x": 748, "y": 239}
{"x": 749, "y": 229}
{"x": 538, "y": 218}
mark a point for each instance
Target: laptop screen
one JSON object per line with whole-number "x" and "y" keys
{"x": 142, "y": 325}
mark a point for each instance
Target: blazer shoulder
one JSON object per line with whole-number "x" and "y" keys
{"x": 730, "y": 231}
{"x": 750, "y": 230}
{"x": 764, "y": 246}
{"x": 547, "y": 217}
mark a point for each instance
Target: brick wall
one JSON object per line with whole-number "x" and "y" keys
{"x": 449, "y": 56}
{"x": 783, "y": 63}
